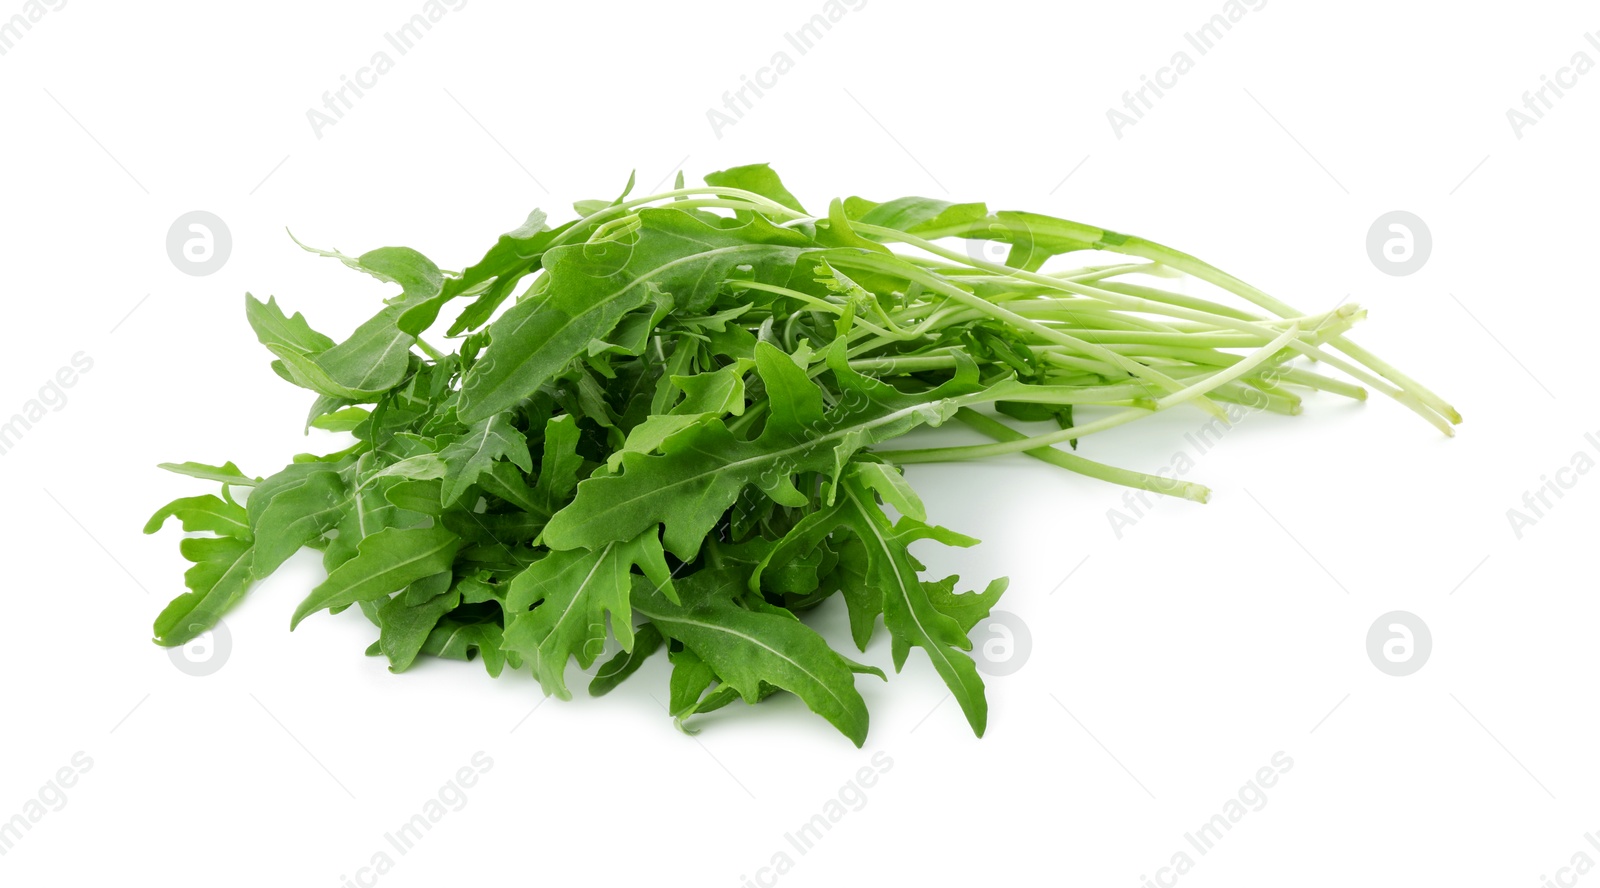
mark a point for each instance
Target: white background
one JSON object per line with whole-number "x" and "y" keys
{"x": 1172, "y": 664}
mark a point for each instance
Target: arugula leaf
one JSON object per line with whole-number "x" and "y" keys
{"x": 468, "y": 459}
{"x": 387, "y": 562}
{"x": 297, "y": 347}
{"x": 683, "y": 419}
{"x": 203, "y": 513}
{"x": 374, "y": 358}
{"x": 747, "y": 649}
{"x": 368, "y": 511}
{"x": 504, "y": 481}
{"x": 404, "y": 627}
{"x": 417, "y": 276}
{"x": 758, "y": 178}
{"x": 648, "y": 436}
{"x": 702, "y": 469}
{"x": 277, "y": 331}
{"x": 968, "y": 609}
{"x": 295, "y": 515}
{"x": 914, "y": 215}
{"x": 888, "y": 570}
{"x": 890, "y": 484}
{"x": 691, "y": 678}
{"x": 451, "y": 640}
{"x": 592, "y": 285}
{"x": 227, "y": 473}
{"x": 574, "y": 592}
{"x": 492, "y": 278}
{"x": 339, "y": 419}
{"x": 559, "y": 466}
{"x": 219, "y": 578}
{"x": 646, "y": 641}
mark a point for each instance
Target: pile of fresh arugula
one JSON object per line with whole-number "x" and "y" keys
{"x": 672, "y": 431}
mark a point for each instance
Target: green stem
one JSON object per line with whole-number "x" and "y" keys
{"x": 1196, "y": 390}
{"x": 1082, "y": 465}
{"x": 1188, "y": 264}
{"x": 872, "y": 261}
{"x": 437, "y": 356}
{"x": 1405, "y": 390}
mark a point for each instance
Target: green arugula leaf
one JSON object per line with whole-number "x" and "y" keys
{"x": 427, "y": 589}
{"x": 203, "y": 513}
{"x": 702, "y": 469}
{"x": 884, "y": 569}
{"x": 417, "y": 276}
{"x": 559, "y": 466}
{"x": 451, "y": 640}
{"x": 227, "y": 473}
{"x": 387, "y": 562}
{"x": 296, "y": 346}
{"x": 405, "y": 627}
{"x": 343, "y": 419}
{"x": 294, "y": 515}
{"x": 746, "y": 649}
{"x": 648, "y": 436}
{"x": 367, "y": 512}
{"x": 716, "y": 392}
{"x": 421, "y": 467}
{"x": 277, "y": 331}
{"x": 914, "y": 215}
{"x": 758, "y": 178}
{"x": 691, "y": 678}
{"x": 968, "y": 609}
{"x": 646, "y": 641}
{"x": 492, "y": 279}
{"x": 504, "y": 481}
{"x": 574, "y": 592}
{"x": 219, "y": 578}
{"x": 890, "y": 484}
{"x": 374, "y": 359}
{"x": 592, "y": 285}
{"x": 681, "y": 410}
{"x": 467, "y": 460}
